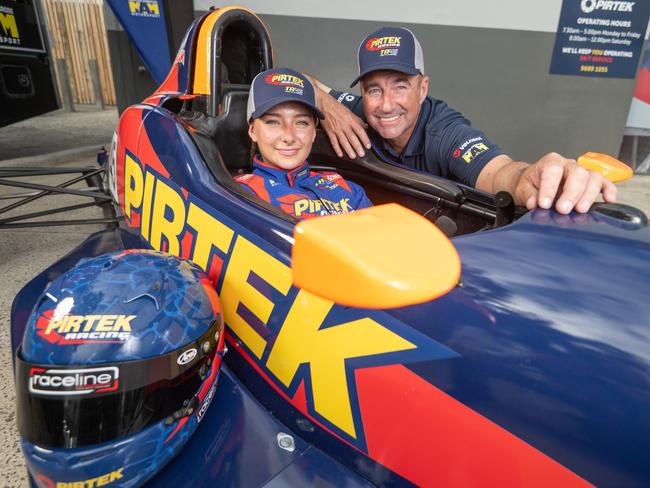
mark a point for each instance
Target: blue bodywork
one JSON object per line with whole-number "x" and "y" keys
{"x": 553, "y": 340}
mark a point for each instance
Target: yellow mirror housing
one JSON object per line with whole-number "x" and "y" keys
{"x": 611, "y": 168}
{"x": 379, "y": 257}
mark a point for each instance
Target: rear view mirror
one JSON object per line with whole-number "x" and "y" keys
{"x": 380, "y": 257}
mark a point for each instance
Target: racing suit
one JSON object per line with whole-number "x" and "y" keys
{"x": 304, "y": 193}
{"x": 443, "y": 142}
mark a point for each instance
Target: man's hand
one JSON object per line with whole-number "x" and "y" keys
{"x": 346, "y": 131}
{"x": 539, "y": 184}
{"x": 554, "y": 175}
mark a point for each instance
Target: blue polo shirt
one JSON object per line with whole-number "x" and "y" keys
{"x": 443, "y": 142}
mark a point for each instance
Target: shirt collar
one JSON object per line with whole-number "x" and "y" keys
{"x": 415, "y": 144}
{"x": 289, "y": 177}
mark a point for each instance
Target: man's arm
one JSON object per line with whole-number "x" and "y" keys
{"x": 345, "y": 130}
{"x": 532, "y": 185}
{"x": 538, "y": 184}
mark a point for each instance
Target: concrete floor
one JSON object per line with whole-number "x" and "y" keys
{"x": 52, "y": 140}
{"x": 58, "y": 131}
{"x": 23, "y": 253}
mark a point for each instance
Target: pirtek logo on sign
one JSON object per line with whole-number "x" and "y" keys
{"x": 57, "y": 382}
{"x": 589, "y": 6}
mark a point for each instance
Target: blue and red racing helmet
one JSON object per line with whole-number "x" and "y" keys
{"x": 117, "y": 367}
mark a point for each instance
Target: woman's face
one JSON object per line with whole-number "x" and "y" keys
{"x": 284, "y": 134}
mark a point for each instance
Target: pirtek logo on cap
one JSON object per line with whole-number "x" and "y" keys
{"x": 377, "y": 43}
{"x": 282, "y": 79}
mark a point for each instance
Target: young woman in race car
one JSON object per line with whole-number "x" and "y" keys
{"x": 282, "y": 116}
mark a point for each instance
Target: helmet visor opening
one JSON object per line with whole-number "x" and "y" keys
{"x": 74, "y": 406}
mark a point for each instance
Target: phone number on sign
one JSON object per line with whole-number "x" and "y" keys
{"x": 589, "y": 68}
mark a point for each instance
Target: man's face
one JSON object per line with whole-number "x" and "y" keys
{"x": 391, "y": 102}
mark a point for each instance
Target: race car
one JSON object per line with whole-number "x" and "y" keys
{"x": 444, "y": 337}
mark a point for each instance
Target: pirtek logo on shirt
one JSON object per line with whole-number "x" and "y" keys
{"x": 378, "y": 43}
{"x": 325, "y": 206}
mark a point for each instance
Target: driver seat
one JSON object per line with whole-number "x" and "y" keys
{"x": 231, "y": 130}
{"x": 228, "y": 130}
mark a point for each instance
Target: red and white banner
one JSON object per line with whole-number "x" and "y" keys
{"x": 639, "y": 116}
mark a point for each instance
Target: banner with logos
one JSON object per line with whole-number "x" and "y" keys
{"x": 639, "y": 116}
{"x": 601, "y": 38}
{"x": 144, "y": 23}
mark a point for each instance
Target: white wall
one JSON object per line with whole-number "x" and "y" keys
{"x": 488, "y": 59}
{"x": 527, "y": 15}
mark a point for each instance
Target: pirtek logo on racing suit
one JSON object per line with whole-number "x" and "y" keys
{"x": 322, "y": 206}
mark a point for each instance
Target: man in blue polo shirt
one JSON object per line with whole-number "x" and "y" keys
{"x": 405, "y": 126}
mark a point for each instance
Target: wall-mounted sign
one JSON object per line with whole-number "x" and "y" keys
{"x": 600, "y": 38}
{"x": 19, "y": 27}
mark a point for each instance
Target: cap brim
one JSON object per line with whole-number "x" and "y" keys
{"x": 262, "y": 109}
{"x": 409, "y": 70}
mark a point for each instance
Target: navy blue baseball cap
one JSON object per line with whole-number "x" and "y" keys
{"x": 390, "y": 48}
{"x": 279, "y": 85}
